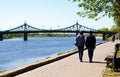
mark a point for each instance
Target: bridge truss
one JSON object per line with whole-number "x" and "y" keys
{"x": 27, "y": 28}
{"x": 77, "y": 27}
{"x": 24, "y": 27}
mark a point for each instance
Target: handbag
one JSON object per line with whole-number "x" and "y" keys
{"x": 76, "y": 43}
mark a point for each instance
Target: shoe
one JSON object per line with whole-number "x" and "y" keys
{"x": 90, "y": 61}
{"x": 81, "y": 61}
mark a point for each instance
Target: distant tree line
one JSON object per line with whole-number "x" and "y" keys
{"x": 114, "y": 28}
{"x": 37, "y": 35}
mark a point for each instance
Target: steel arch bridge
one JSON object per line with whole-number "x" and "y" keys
{"x": 25, "y": 29}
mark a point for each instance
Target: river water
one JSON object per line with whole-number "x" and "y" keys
{"x": 16, "y": 52}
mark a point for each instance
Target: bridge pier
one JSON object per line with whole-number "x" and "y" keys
{"x": 1, "y": 36}
{"x": 104, "y": 36}
{"x": 25, "y": 36}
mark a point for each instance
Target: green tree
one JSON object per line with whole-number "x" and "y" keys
{"x": 115, "y": 28}
{"x": 103, "y": 29}
{"x": 96, "y": 9}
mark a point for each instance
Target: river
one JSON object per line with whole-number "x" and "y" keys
{"x": 16, "y": 52}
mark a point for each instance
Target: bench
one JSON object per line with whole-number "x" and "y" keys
{"x": 116, "y": 61}
{"x": 116, "y": 64}
{"x": 113, "y": 59}
{"x": 109, "y": 59}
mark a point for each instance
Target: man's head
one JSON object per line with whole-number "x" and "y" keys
{"x": 91, "y": 32}
{"x": 81, "y": 32}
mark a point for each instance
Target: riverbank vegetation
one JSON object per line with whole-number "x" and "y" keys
{"x": 38, "y": 35}
{"x": 112, "y": 29}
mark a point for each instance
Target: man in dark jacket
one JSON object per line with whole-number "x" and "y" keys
{"x": 80, "y": 40}
{"x": 90, "y": 44}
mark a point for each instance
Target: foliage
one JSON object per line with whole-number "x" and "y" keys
{"x": 110, "y": 65}
{"x": 7, "y": 36}
{"x": 96, "y": 9}
{"x": 54, "y": 35}
{"x": 48, "y": 57}
{"x": 115, "y": 28}
{"x": 118, "y": 54}
{"x": 103, "y": 29}
{"x": 99, "y": 35}
{"x": 61, "y": 53}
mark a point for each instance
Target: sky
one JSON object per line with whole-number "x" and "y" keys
{"x": 45, "y": 14}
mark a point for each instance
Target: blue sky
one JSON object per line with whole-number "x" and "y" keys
{"x": 45, "y": 14}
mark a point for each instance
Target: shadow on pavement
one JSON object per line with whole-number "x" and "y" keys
{"x": 94, "y": 62}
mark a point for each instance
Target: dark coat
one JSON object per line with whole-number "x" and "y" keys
{"x": 90, "y": 41}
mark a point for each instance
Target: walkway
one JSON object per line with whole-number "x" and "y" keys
{"x": 72, "y": 67}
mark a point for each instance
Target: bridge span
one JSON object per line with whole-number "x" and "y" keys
{"x": 25, "y": 29}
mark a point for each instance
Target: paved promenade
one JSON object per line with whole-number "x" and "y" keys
{"x": 72, "y": 67}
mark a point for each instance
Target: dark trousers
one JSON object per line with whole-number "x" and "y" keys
{"x": 90, "y": 53}
{"x": 80, "y": 51}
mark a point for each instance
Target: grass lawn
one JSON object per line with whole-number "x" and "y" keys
{"x": 109, "y": 73}
{"x": 118, "y": 54}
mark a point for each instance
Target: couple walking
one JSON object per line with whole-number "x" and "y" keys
{"x": 90, "y": 43}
